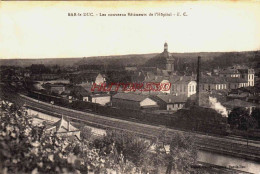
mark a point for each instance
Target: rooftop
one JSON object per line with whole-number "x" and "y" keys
{"x": 229, "y": 71}
{"x": 64, "y": 126}
{"x": 79, "y": 90}
{"x": 238, "y": 103}
{"x": 182, "y": 79}
{"x": 235, "y": 80}
{"x": 173, "y": 99}
{"x": 130, "y": 96}
{"x": 212, "y": 80}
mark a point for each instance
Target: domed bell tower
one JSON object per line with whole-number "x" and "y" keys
{"x": 165, "y": 47}
{"x": 170, "y": 61}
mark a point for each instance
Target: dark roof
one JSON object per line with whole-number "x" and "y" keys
{"x": 173, "y": 79}
{"x": 66, "y": 92}
{"x": 156, "y": 79}
{"x": 255, "y": 97}
{"x": 246, "y": 71}
{"x": 212, "y": 80}
{"x": 173, "y": 99}
{"x": 235, "y": 80}
{"x": 79, "y": 90}
{"x": 238, "y": 103}
{"x": 229, "y": 71}
{"x": 236, "y": 71}
{"x": 183, "y": 79}
{"x": 242, "y": 95}
{"x": 130, "y": 96}
{"x": 99, "y": 95}
{"x": 88, "y": 88}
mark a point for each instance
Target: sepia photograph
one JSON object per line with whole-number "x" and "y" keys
{"x": 130, "y": 87}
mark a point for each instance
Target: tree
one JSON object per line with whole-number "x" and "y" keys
{"x": 256, "y": 115}
{"x": 39, "y": 69}
{"x": 85, "y": 133}
{"x": 132, "y": 148}
{"x": 177, "y": 153}
{"x": 239, "y": 118}
{"x": 171, "y": 154}
{"x": 25, "y": 148}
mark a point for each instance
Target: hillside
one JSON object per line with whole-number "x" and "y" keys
{"x": 209, "y": 60}
{"x": 212, "y": 59}
{"x": 133, "y": 59}
{"x": 48, "y": 61}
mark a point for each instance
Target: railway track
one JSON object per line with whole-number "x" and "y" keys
{"x": 229, "y": 146}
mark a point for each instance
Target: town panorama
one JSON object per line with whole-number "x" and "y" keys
{"x": 151, "y": 113}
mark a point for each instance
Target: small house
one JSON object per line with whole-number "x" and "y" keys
{"x": 133, "y": 101}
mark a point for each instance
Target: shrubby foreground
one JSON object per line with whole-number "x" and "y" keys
{"x": 26, "y": 148}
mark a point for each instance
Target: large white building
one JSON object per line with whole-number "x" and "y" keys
{"x": 183, "y": 85}
{"x": 246, "y": 74}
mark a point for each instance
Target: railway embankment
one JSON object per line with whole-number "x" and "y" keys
{"x": 223, "y": 145}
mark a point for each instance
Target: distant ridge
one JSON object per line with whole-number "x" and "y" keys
{"x": 131, "y": 59}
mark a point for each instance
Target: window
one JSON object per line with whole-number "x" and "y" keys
{"x": 190, "y": 88}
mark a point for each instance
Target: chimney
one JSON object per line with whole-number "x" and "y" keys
{"x": 198, "y": 83}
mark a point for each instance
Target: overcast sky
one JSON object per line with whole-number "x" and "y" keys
{"x": 44, "y": 29}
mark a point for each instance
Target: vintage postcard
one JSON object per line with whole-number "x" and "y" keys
{"x": 129, "y": 87}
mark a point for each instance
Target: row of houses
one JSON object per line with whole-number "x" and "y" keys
{"x": 131, "y": 100}
{"x": 148, "y": 102}
{"x": 183, "y": 89}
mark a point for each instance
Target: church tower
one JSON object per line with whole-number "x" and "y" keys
{"x": 169, "y": 59}
{"x": 165, "y": 47}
